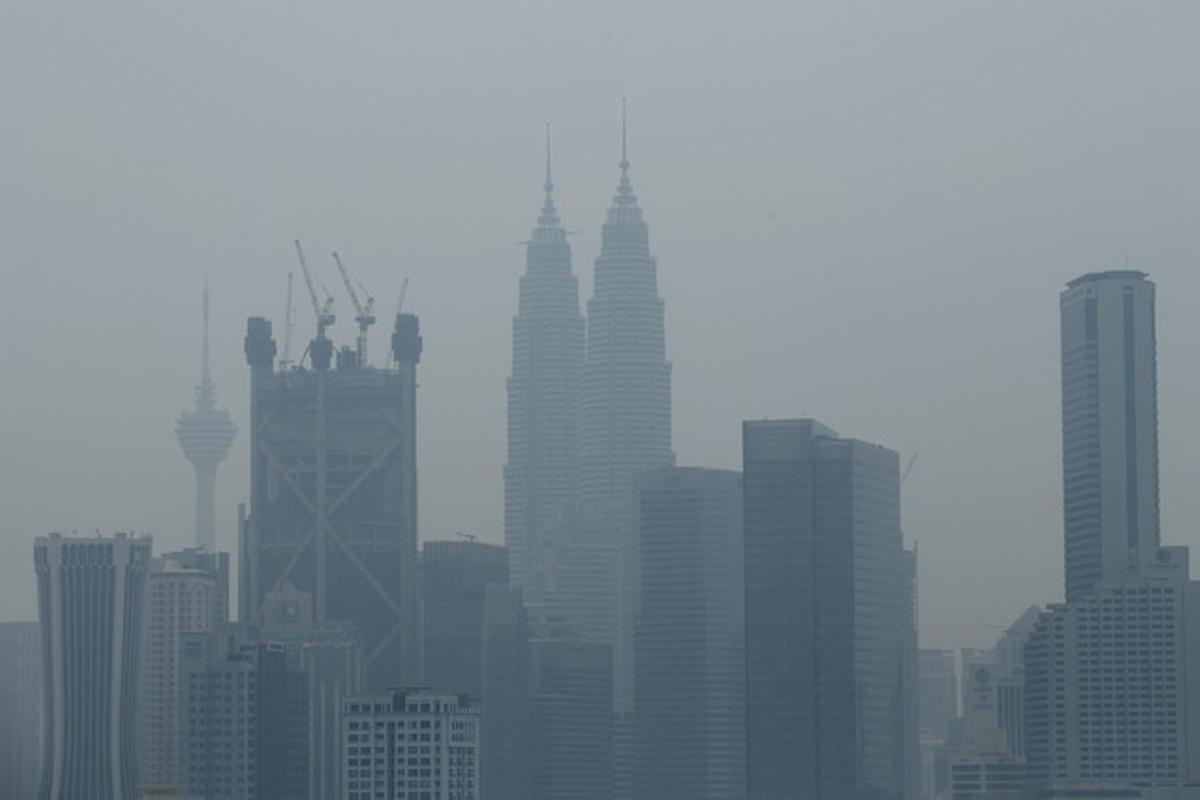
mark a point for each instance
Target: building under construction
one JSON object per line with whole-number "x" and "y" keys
{"x": 333, "y": 488}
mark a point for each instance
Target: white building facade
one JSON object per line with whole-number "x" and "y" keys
{"x": 410, "y": 745}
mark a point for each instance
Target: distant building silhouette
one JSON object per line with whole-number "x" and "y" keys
{"x": 829, "y": 621}
{"x": 571, "y": 703}
{"x": 430, "y": 746}
{"x": 333, "y": 493}
{"x": 506, "y": 759}
{"x": 90, "y": 603}
{"x": 689, "y": 640}
{"x": 455, "y": 577}
{"x": 1110, "y": 427}
{"x": 21, "y": 703}
{"x": 205, "y": 435}
{"x": 186, "y": 592}
{"x": 543, "y": 398}
{"x": 245, "y": 727}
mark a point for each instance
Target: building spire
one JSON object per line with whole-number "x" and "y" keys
{"x": 206, "y": 392}
{"x": 624, "y": 141}
{"x": 549, "y": 216}
{"x": 624, "y": 196}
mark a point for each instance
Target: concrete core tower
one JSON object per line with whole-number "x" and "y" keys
{"x": 206, "y": 435}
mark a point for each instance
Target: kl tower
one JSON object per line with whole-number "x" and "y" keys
{"x": 205, "y": 435}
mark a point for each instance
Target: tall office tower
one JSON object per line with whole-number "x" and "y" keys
{"x": 90, "y": 600}
{"x": 184, "y": 594}
{"x": 938, "y": 692}
{"x": 330, "y": 657}
{"x": 333, "y": 492}
{"x": 244, "y": 718}
{"x": 1110, "y": 686}
{"x": 410, "y": 745}
{"x": 205, "y": 435}
{"x": 506, "y": 756}
{"x": 829, "y": 590}
{"x": 689, "y": 656}
{"x": 543, "y": 397}
{"x": 20, "y": 709}
{"x": 455, "y": 577}
{"x": 626, "y": 418}
{"x": 570, "y": 687}
{"x": 1110, "y": 427}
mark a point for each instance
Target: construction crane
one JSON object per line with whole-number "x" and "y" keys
{"x": 289, "y": 324}
{"x": 324, "y": 312}
{"x": 907, "y": 469}
{"x": 403, "y": 291}
{"x": 366, "y": 315}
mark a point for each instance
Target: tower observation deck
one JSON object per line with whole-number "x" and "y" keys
{"x": 205, "y": 434}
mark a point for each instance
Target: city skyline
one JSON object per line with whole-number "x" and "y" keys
{"x": 822, "y": 212}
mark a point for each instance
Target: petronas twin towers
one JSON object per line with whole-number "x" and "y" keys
{"x": 587, "y": 411}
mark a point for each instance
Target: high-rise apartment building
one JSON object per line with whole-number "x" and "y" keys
{"x": 186, "y": 592}
{"x": 244, "y": 718}
{"x": 1110, "y": 683}
{"x": 90, "y": 601}
{"x": 333, "y": 492}
{"x": 20, "y": 709}
{"x": 455, "y": 577}
{"x": 206, "y": 435}
{"x": 410, "y": 745}
{"x": 543, "y": 398}
{"x": 570, "y": 688}
{"x": 1110, "y": 428}
{"x": 829, "y": 622}
{"x": 688, "y": 652}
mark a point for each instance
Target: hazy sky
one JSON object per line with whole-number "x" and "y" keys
{"x": 862, "y": 212}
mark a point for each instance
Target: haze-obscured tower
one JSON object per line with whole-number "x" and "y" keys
{"x": 626, "y": 398}
{"x": 90, "y": 601}
{"x": 543, "y": 397}
{"x": 333, "y": 493}
{"x": 1110, "y": 428}
{"x": 206, "y": 435}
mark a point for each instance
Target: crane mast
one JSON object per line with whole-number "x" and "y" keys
{"x": 365, "y": 313}
{"x": 289, "y": 324}
{"x": 324, "y": 313}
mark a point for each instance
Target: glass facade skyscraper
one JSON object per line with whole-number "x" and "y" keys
{"x": 829, "y": 623}
{"x": 1110, "y": 428}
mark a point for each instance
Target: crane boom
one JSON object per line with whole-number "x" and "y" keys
{"x": 365, "y": 318}
{"x": 324, "y": 313}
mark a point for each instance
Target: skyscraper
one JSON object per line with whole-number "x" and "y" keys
{"x": 244, "y": 717}
{"x": 455, "y": 577}
{"x": 688, "y": 655}
{"x": 186, "y": 592}
{"x": 1110, "y": 427}
{"x": 626, "y": 422}
{"x": 90, "y": 600}
{"x": 543, "y": 397}
{"x": 205, "y": 435}
{"x": 506, "y": 758}
{"x": 20, "y": 709}
{"x": 829, "y": 623}
{"x": 333, "y": 492}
